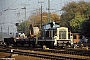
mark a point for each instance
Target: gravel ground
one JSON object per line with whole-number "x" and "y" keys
{"x": 19, "y": 57}
{"x": 4, "y": 55}
{"x": 27, "y": 58}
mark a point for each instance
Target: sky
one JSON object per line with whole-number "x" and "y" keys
{"x": 11, "y": 11}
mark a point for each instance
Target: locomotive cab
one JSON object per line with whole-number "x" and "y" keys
{"x": 63, "y": 37}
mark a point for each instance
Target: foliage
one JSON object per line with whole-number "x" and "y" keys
{"x": 86, "y": 28}
{"x": 76, "y": 22}
{"x": 37, "y": 18}
{"x": 86, "y": 23}
{"x": 69, "y": 13}
{"x": 74, "y": 14}
{"x": 23, "y": 27}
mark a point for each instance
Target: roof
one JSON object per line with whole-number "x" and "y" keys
{"x": 51, "y": 25}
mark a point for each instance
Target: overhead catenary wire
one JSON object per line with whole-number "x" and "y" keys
{"x": 21, "y": 3}
{"x": 15, "y": 15}
{"x": 8, "y": 7}
{"x": 12, "y": 4}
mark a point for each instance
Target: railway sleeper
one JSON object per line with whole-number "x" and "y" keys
{"x": 72, "y": 52}
{"x": 60, "y": 57}
{"x": 48, "y": 56}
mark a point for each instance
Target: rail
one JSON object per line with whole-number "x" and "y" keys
{"x": 51, "y": 53}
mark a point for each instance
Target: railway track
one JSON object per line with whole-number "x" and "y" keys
{"x": 47, "y": 54}
{"x": 71, "y": 51}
